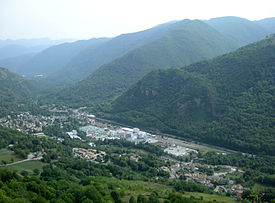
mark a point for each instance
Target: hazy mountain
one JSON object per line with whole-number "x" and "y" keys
{"x": 268, "y": 24}
{"x": 226, "y": 101}
{"x": 14, "y": 50}
{"x": 91, "y": 58}
{"x": 33, "y": 42}
{"x": 241, "y": 31}
{"x": 15, "y": 64}
{"x": 187, "y": 42}
{"x": 56, "y": 57}
{"x": 70, "y": 62}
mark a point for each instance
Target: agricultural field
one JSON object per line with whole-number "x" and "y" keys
{"x": 211, "y": 197}
{"x": 28, "y": 166}
{"x": 8, "y": 156}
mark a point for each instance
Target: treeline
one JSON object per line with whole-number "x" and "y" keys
{"x": 15, "y": 188}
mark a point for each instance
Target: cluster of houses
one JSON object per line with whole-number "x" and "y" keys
{"x": 218, "y": 180}
{"x": 26, "y": 122}
{"x": 89, "y": 154}
{"x": 29, "y": 123}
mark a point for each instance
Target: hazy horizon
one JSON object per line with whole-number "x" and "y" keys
{"x": 84, "y": 19}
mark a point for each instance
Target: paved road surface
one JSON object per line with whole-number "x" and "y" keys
{"x": 30, "y": 158}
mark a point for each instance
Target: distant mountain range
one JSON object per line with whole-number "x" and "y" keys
{"x": 226, "y": 101}
{"x": 241, "y": 31}
{"x": 13, "y": 48}
{"x": 54, "y": 58}
{"x": 186, "y": 42}
{"x": 71, "y": 62}
{"x": 268, "y": 24}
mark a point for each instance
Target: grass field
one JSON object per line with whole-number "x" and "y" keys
{"x": 28, "y": 166}
{"x": 259, "y": 187}
{"x": 209, "y": 197}
{"x": 8, "y": 155}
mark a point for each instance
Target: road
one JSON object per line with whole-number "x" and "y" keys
{"x": 31, "y": 157}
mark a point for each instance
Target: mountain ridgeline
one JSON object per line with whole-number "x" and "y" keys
{"x": 54, "y": 58}
{"x": 67, "y": 63}
{"x": 187, "y": 42}
{"x": 226, "y": 101}
{"x": 241, "y": 31}
{"x": 90, "y": 59}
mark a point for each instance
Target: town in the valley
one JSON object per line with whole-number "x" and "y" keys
{"x": 182, "y": 154}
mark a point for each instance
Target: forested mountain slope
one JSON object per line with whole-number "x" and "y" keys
{"x": 14, "y": 91}
{"x": 91, "y": 58}
{"x": 227, "y": 101}
{"x": 56, "y": 57}
{"x": 188, "y": 42}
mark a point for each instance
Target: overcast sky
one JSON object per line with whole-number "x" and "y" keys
{"x": 83, "y": 19}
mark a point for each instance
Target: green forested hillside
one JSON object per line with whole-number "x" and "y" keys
{"x": 56, "y": 57}
{"x": 90, "y": 59}
{"x": 188, "y": 42}
{"x": 227, "y": 101}
{"x": 14, "y": 90}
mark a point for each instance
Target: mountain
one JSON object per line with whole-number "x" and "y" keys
{"x": 226, "y": 101}
{"x": 187, "y": 42}
{"x": 91, "y": 58}
{"x": 33, "y": 42}
{"x": 71, "y": 62}
{"x": 15, "y": 64}
{"x": 13, "y": 50}
{"x": 14, "y": 91}
{"x": 239, "y": 30}
{"x": 268, "y": 24}
{"x": 56, "y": 57}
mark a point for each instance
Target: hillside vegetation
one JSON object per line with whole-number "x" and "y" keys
{"x": 56, "y": 57}
{"x": 188, "y": 42}
{"x": 14, "y": 91}
{"x": 90, "y": 59}
{"x": 227, "y": 101}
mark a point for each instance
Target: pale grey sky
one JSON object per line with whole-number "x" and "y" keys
{"x": 83, "y": 19}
